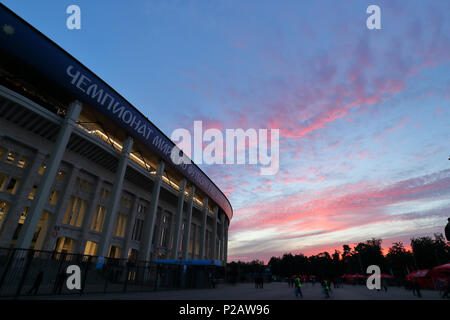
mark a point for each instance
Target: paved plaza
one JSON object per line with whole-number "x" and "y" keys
{"x": 271, "y": 291}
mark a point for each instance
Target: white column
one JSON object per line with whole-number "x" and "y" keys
{"x": 179, "y": 220}
{"x": 113, "y": 203}
{"x": 214, "y": 234}
{"x": 203, "y": 232}
{"x": 149, "y": 224}
{"x": 187, "y": 233}
{"x": 43, "y": 191}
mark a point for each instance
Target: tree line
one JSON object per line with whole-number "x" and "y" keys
{"x": 425, "y": 253}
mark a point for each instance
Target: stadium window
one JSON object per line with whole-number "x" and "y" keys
{"x": 23, "y": 215}
{"x": 42, "y": 169}
{"x": 90, "y": 248}
{"x": 22, "y": 162}
{"x": 11, "y": 157}
{"x": 105, "y": 193}
{"x": 99, "y": 219}
{"x": 114, "y": 252}
{"x": 3, "y": 180}
{"x": 32, "y": 192}
{"x": 2, "y": 153}
{"x": 3, "y": 210}
{"x": 137, "y": 230}
{"x": 75, "y": 212}
{"x": 141, "y": 209}
{"x": 80, "y": 217}
{"x": 64, "y": 245}
{"x": 53, "y": 197}
{"x": 12, "y": 186}
{"x": 20, "y": 224}
{"x": 121, "y": 222}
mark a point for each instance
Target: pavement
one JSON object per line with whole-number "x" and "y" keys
{"x": 247, "y": 291}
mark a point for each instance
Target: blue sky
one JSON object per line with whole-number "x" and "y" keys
{"x": 363, "y": 114}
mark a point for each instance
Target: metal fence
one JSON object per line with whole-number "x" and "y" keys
{"x": 35, "y": 272}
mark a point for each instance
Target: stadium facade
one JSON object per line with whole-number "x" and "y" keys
{"x": 83, "y": 171}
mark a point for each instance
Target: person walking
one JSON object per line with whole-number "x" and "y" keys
{"x": 416, "y": 287}
{"x": 326, "y": 289}
{"x": 298, "y": 287}
{"x": 446, "y": 291}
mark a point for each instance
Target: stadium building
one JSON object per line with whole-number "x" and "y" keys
{"x": 83, "y": 171}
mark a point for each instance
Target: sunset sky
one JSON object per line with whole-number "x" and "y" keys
{"x": 364, "y": 115}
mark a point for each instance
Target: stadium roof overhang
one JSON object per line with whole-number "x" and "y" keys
{"x": 23, "y": 41}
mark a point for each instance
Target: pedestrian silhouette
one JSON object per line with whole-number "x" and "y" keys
{"x": 298, "y": 287}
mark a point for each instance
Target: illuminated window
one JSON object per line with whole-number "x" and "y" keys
{"x": 91, "y": 248}
{"x": 99, "y": 219}
{"x": 64, "y": 245}
{"x": 20, "y": 223}
{"x": 22, "y": 162}
{"x": 3, "y": 180}
{"x": 53, "y": 197}
{"x": 197, "y": 244}
{"x": 114, "y": 252}
{"x": 75, "y": 212}
{"x": 12, "y": 186}
{"x": 11, "y": 157}
{"x": 119, "y": 228}
{"x": 32, "y": 192}
{"x": 3, "y": 210}
{"x": 23, "y": 215}
{"x": 42, "y": 169}
{"x": 105, "y": 193}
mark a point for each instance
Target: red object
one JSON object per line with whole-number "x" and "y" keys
{"x": 386, "y": 276}
{"x": 349, "y": 278}
{"x": 423, "y": 277}
{"x": 443, "y": 268}
{"x": 441, "y": 273}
